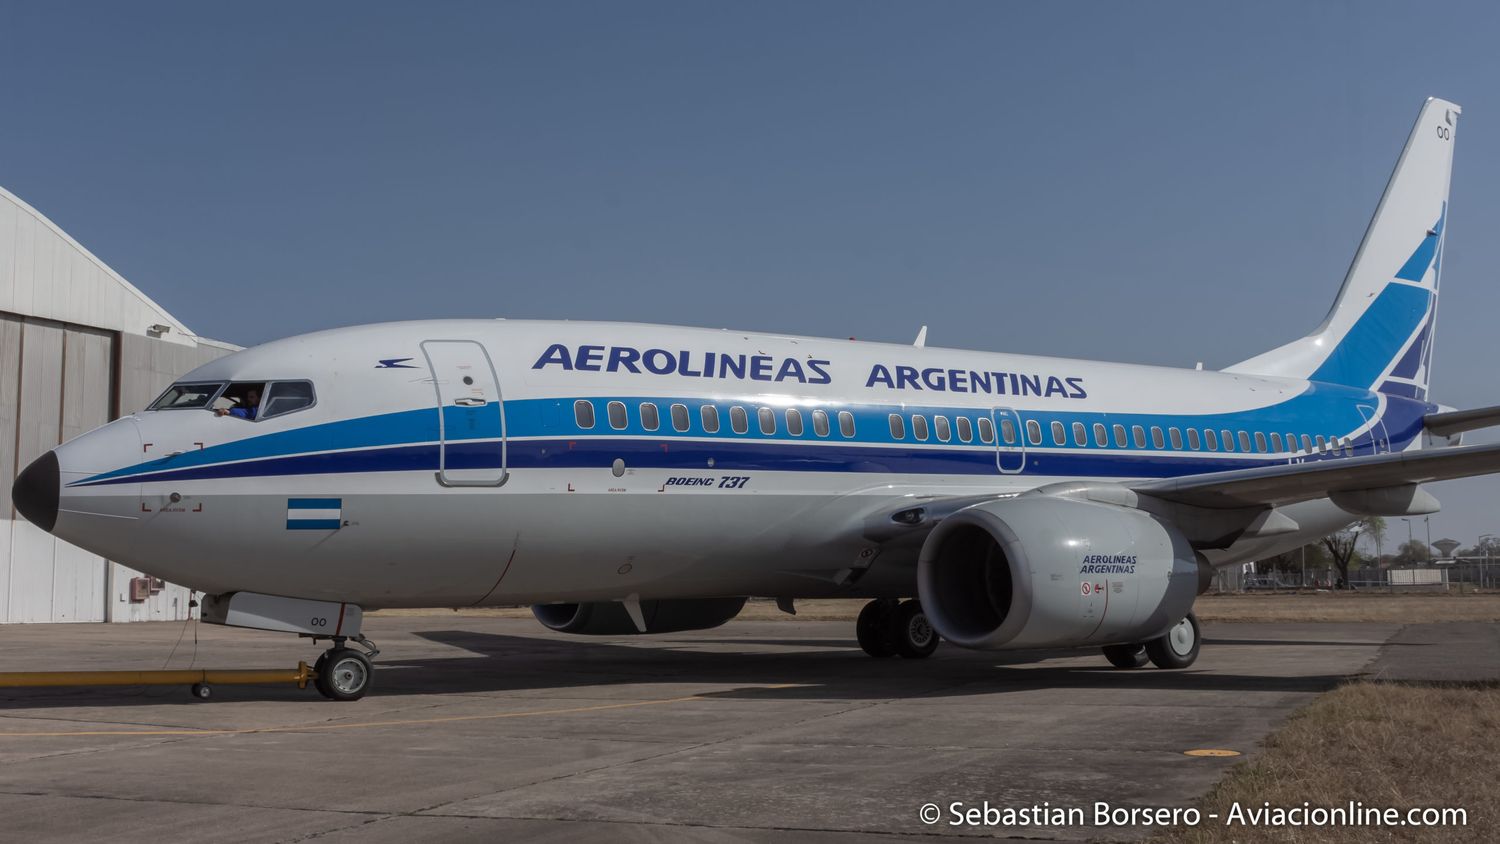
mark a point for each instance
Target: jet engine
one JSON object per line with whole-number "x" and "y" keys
{"x": 1055, "y": 572}
{"x": 609, "y": 618}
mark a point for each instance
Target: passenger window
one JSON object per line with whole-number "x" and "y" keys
{"x": 1138, "y": 436}
{"x": 680, "y": 420}
{"x": 1007, "y": 430}
{"x": 1034, "y": 431}
{"x": 583, "y": 414}
{"x": 919, "y": 427}
{"x": 820, "y": 423}
{"x": 767, "y": 420}
{"x": 287, "y": 397}
{"x": 1193, "y": 441}
{"x": 1322, "y": 444}
{"x": 1260, "y": 442}
{"x": 1307, "y": 443}
{"x": 1120, "y": 441}
{"x": 965, "y": 429}
{"x": 739, "y": 420}
{"x": 1059, "y": 434}
{"x": 941, "y": 428}
{"x": 1244, "y": 442}
{"x": 1080, "y": 435}
{"x": 846, "y": 424}
{"x": 794, "y": 421}
{"x": 1276, "y": 442}
{"x": 1101, "y": 436}
{"x": 987, "y": 430}
{"x": 650, "y": 418}
{"x": 709, "y": 415}
{"x": 617, "y": 418}
{"x": 898, "y": 427}
{"x": 1176, "y": 436}
{"x": 1228, "y": 437}
{"x": 187, "y": 396}
{"x": 1156, "y": 438}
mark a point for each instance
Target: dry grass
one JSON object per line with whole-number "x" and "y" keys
{"x": 1363, "y": 606}
{"x": 1401, "y": 608}
{"x": 1385, "y": 744}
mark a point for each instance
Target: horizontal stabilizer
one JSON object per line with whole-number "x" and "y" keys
{"x": 1457, "y": 421}
{"x": 1294, "y": 482}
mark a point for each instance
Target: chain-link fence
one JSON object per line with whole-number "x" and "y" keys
{"x": 1462, "y": 573}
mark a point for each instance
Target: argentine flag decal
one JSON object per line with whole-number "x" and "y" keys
{"x": 314, "y": 513}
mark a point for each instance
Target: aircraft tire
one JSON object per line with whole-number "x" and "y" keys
{"x": 912, "y": 633}
{"x": 1126, "y": 656}
{"x": 873, "y": 629}
{"x": 348, "y": 676}
{"x": 1179, "y": 648}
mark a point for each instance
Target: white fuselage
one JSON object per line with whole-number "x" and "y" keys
{"x": 375, "y": 496}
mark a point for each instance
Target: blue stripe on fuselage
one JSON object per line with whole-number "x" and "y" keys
{"x": 543, "y": 434}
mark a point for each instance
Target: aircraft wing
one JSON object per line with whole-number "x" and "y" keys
{"x": 1293, "y": 482}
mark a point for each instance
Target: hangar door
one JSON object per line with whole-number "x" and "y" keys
{"x": 56, "y": 382}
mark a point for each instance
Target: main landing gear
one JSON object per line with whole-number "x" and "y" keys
{"x": 887, "y": 627}
{"x": 345, "y": 673}
{"x": 1177, "y": 649}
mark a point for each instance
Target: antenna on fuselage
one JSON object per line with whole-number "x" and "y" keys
{"x": 921, "y": 341}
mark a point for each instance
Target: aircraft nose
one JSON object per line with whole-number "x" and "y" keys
{"x": 36, "y": 489}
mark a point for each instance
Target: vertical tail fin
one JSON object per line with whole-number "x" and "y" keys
{"x": 1380, "y": 331}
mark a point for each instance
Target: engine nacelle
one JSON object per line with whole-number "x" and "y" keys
{"x": 1048, "y": 572}
{"x": 609, "y": 618}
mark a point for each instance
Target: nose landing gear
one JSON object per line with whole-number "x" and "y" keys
{"x": 345, "y": 673}
{"x": 888, "y": 628}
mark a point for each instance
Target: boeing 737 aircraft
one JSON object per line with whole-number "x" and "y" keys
{"x": 626, "y": 478}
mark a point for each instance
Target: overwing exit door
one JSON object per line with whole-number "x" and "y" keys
{"x": 471, "y": 418}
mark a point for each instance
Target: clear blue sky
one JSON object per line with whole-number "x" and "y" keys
{"x": 1151, "y": 182}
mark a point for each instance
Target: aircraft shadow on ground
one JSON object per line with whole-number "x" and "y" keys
{"x": 490, "y": 662}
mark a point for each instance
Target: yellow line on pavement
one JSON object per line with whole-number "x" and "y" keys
{"x": 356, "y": 725}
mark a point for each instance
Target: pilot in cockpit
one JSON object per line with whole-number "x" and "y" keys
{"x": 245, "y": 406}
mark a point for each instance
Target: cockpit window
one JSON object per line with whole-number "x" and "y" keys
{"x": 188, "y": 396}
{"x": 286, "y": 397}
{"x": 241, "y": 400}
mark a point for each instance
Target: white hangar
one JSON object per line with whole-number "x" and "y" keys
{"x": 79, "y": 346}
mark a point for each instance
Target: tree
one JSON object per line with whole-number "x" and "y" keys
{"x": 1414, "y": 551}
{"x": 1341, "y": 545}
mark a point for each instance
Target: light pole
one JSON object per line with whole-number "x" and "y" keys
{"x": 1484, "y": 577}
{"x": 1409, "y": 540}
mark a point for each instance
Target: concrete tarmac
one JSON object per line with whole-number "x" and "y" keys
{"x": 495, "y": 728}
